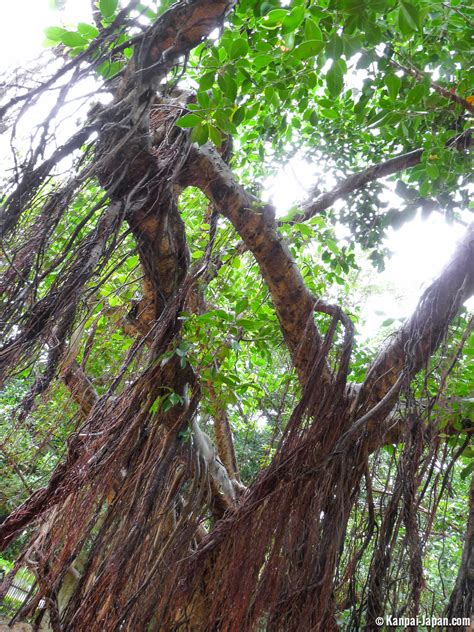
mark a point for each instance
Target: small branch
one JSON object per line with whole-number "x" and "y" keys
{"x": 80, "y": 388}
{"x": 447, "y": 94}
{"x": 96, "y": 15}
{"x": 360, "y": 180}
{"x": 456, "y": 10}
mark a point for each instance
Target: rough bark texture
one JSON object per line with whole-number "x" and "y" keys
{"x": 461, "y": 603}
{"x": 255, "y": 223}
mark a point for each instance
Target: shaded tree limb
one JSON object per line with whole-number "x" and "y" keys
{"x": 80, "y": 387}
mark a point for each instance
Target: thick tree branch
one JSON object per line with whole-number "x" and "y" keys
{"x": 170, "y": 39}
{"x": 393, "y": 429}
{"x": 257, "y": 226}
{"x": 420, "y": 336}
{"x": 359, "y": 180}
{"x": 80, "y": 387}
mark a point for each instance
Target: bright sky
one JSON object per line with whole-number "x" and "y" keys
{"x": 24, "y": 23}
{"x": 421, "y": 248}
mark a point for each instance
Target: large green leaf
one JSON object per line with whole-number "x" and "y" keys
{"x": 54, "y": 33}
{"x": 239, "y": 48}
{"x": 308, "y": 48}
{"x": 69, "y": 38}
{"x": 393, "y": 85}
{"x": 335, "y": 79}
{"x": 108, "y": 7}
{"x": 408, "y": 17}
{"x": 188, "y": 120}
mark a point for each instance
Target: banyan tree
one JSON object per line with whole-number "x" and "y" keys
{"x": 156, "y": 310}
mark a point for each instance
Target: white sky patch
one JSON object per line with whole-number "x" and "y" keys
{"x": 290, "y": 184}
{"x": 420, "y": 248}
{"x": 24, "y": 23}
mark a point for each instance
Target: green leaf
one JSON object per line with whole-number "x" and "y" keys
{"x": 203, "y": 99}
{"x": 351, "y": 45}
{"x": 167, "y": 404}
{"x": 335, "y": 79}
{"x": 467, "y": 471}
{"x": 72, "y": 39}
{"x": 228, "y": 86}
{"x": 384, "y": 118}
{"x": 425, "y": 188}
{"x": 108, "y": 7}
{"x": 182, "y": 349}
{"x": 334, "y": 47}
{"x": 215, "y": 136}
{"x": 416, "y": 94}
{"x": 188, "y": 120}
{"x": 333, "y": 247}
{"x": 224, "y": 123}
{"x": 262, "y": 60}
{"x": 108, "y": 70}
{"x": 207, "y": 80}
{"x": 312, "y": 30}
{"x": 239, "y": 48}
{"x": 239, "y": 115}
{"x": 306, "y": 231}
{"x": 432, "y": 171}
{"x": 309, "y": 48}
{"x": 393, "y": 84}
{"x": 200, "y": 133}
{"x": 87, "y": 30}
{"x": 408, "y": 17}
{"x": 293, "y": 19}
{"x": 289, "y": 40}
{"x": 54, "y": 33}
{"x": 155, "y": 405}
{"x": 330, "y": 114}
{"x": 274, "y": 18}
